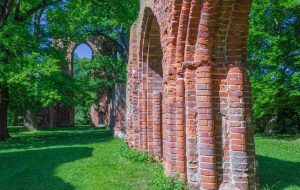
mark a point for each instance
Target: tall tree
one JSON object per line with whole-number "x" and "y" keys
{"x": 30, "y": 67}
{"x": 274, "y": 58}
{"x": 81, "y": 18}
{"x": 15, "y": 16}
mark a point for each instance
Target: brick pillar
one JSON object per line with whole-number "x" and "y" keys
{"x": 237, "y": 125}
{"x": 143, "y": 120}
{"x": 157, "y": 124}
{"x": 132, "y": 95}
{"x": 172, "y": 144}
{"x": 191, "y": 132}
{"x": 192, "y": 160}
{"x": 180, "y": 128}
{"x": 150, "y": 123}
{"x": 205, "y": 128}
{"x": 135, "y": 111}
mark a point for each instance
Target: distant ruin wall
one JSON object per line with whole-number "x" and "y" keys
{"x": 60, "y": 115}
{"x": 117, "y": 111}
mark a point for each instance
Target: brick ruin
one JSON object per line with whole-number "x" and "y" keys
{"x": 110, "y": 108}
{"x": 188, "y": 94}
{"x": 117, "y": 111}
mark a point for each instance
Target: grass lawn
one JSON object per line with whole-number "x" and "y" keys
{"x": 88, "y": 159}
{"x": 82, "y": 158}
{"x": 279, "y": 162}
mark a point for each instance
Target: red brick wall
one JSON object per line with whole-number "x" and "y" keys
{"x": 100, "y": 112}
{"x": 188, "y": 95}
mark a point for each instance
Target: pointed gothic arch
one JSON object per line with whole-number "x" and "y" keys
{"x": 206, "y": 100}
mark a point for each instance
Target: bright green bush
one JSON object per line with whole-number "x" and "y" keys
{"x": 161, "y": 182}
{"x": 136, "y": 156}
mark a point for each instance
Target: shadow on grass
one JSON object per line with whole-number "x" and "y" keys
{"x": 277, "y": 174}
{"x": 34, "y": 169}
{"x": 16, "y": 129}
{"x": 54, "y": 137}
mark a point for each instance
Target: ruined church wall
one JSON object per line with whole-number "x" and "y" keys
{"x": 200, "y": 123}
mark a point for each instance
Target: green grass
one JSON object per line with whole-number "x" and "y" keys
{"x": 279, "y": 162}
{"x": 89, "y": 159}
{"x": 81, "y": 158}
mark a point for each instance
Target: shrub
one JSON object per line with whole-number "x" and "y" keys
{"x": 161, "y": 182}
{"x": 136, "y": 156}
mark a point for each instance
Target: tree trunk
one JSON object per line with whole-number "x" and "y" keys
{"x": 4, "y": 97}
{"x": 30, "y": 122}
{"x": 52, "y": 117}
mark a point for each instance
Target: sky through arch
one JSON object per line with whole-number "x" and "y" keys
{"x": 83, "y": 51}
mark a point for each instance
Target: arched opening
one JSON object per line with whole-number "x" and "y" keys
{"x": 82, "y": 55}
{"x": 155, "y": 89}
{"x": 152, "y": 81}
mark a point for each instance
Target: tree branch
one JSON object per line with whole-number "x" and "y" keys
{"x": 31, "y": 11}
{"x": 118, "y": 45}
{"x": 5, "y": 9}
{"x": 18, "y": 7}
{"x": 37, "y": 23}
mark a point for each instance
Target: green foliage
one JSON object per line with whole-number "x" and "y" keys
{"x": 108, "y": 71}
{"x": 84, "y": 94}
{"x": 135, "y": 156}
{"x": 77, "y": 19}
{"x": 32, "y": 68}
{"x": 36, "y": 78}
{"x": 82, "y": 115}
{"x": 98, "y": 75}
{"x": 161, "y": 182}
{"x": 274, "y": 59}
{"x": 33, "y": 74}
{"x": 93, "y": 78}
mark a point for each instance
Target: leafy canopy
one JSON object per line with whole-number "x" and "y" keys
{"x": 274, "y": 58}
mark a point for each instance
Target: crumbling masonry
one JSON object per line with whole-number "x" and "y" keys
{"x": 188, "y": 95}
{"x": 110, "y": 108}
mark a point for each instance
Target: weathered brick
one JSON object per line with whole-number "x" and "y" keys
{"x": 193, "y": 53}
